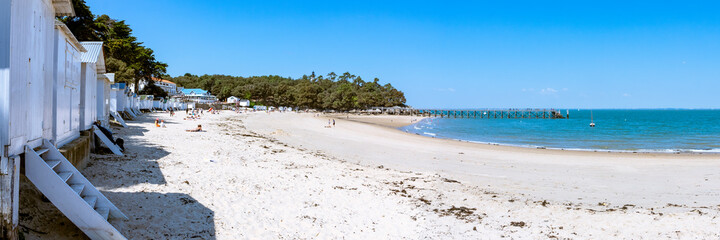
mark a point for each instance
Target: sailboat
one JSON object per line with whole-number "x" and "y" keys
{"x": 592, "y": 123}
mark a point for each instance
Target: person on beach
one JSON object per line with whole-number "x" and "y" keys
{"x": 157, "y": 122}
{"x": 162, "y": 123}
{"x": 333, "y": 122}
{"x": 198, "y": 129}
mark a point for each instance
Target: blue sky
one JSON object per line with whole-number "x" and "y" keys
{"x": 452, "y": 54}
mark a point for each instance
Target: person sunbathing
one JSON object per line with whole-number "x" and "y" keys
{"x": 198, "y": 129}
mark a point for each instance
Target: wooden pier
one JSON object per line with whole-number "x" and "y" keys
{"x": 494, "y": 113}
{"x": 529, "y": 113}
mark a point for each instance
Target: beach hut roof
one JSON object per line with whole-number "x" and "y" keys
{"x": 63, "y": 8}
{"x": 94, "y": 54}
{"x": 118, "y": 86}
{"x": 110, "y": 76}
{"x": 162, "y": 80}
{"x": 193, "y": 90}
{"x": 60, "y": 25}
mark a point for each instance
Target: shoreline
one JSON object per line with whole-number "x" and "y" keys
{"x": 384, "y": 120}
{"x": 557, "y": 175}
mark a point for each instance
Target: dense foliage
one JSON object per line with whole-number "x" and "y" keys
{"x": 124, "y": 55}
{"x": 339, "y": 92}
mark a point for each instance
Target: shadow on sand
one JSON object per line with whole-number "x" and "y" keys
{"x": 151, "y": 215}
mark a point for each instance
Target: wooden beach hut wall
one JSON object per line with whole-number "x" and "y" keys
{"x": 156, "y": 104}
{"x": 26, "y": 74}
{"x": 92, "y": 68}
{"x": 67, "y": 75}
{"x": 125, "y": 100}
{"x": 131, "y": 102}
{"x": 134, "y": 103}
{"x": 104, "y": 82}
{"x": 122, "y": 97}
{"x": 103, "y": 98}
{"x": 39, "y": 103}
{"x": 146, "y": 102}
{"x": 137, "y": 104}
{"x": 117, "y": 103}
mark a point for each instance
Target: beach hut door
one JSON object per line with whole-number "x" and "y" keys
{"x": 71, "y": 192}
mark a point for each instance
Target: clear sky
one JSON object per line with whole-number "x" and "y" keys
{"x": 456, "y": 54}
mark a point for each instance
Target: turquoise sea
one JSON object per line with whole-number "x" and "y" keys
{"x": 616, "y": 130}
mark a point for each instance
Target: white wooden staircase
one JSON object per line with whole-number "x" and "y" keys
{"x": 105, "y": 140}
{"x": 118, "y": 118}
{"x": 131, "y": 113}
{"x": 71, "y": 192}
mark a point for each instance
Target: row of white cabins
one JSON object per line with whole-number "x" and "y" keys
{"x": 52, "y": 89}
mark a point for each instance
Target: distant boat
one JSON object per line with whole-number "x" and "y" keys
{"x": 592, "y": 123}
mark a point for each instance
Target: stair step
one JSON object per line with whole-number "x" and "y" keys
{"x": 77, "y": 188}
{"x": 104, "y": 212}
{"x": 53, "y": 163}
{"x": 57, "y": 179}
{"x": 65, "y": 175}
{"x": 40, "y": 151}
{"x": 90, "y": 200}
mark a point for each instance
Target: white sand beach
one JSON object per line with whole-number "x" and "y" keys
{"x": 285, "y": 175}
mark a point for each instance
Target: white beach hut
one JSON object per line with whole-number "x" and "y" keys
{"x": 243, "y": 103}
{"x": 156, "y": 104}
{"x": 146, "y": 102}
{"x": 26, "y": 80}
{"x": 103, "y": 97}
{"x": 127, "y": 102}
{"x": 67, "y": 66}
{"x": 117, "y": 97}
{"x": 40, "y": 73}
{"x": 93, "y": 65}
{"x": 134, "y": 106}
{"x": 233, "y": 99}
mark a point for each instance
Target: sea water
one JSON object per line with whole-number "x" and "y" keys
{"x": 616, "y": 130}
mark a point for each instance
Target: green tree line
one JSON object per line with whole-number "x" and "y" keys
{"x": 132, "y": 62}
{"x": 338, "y": 92}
